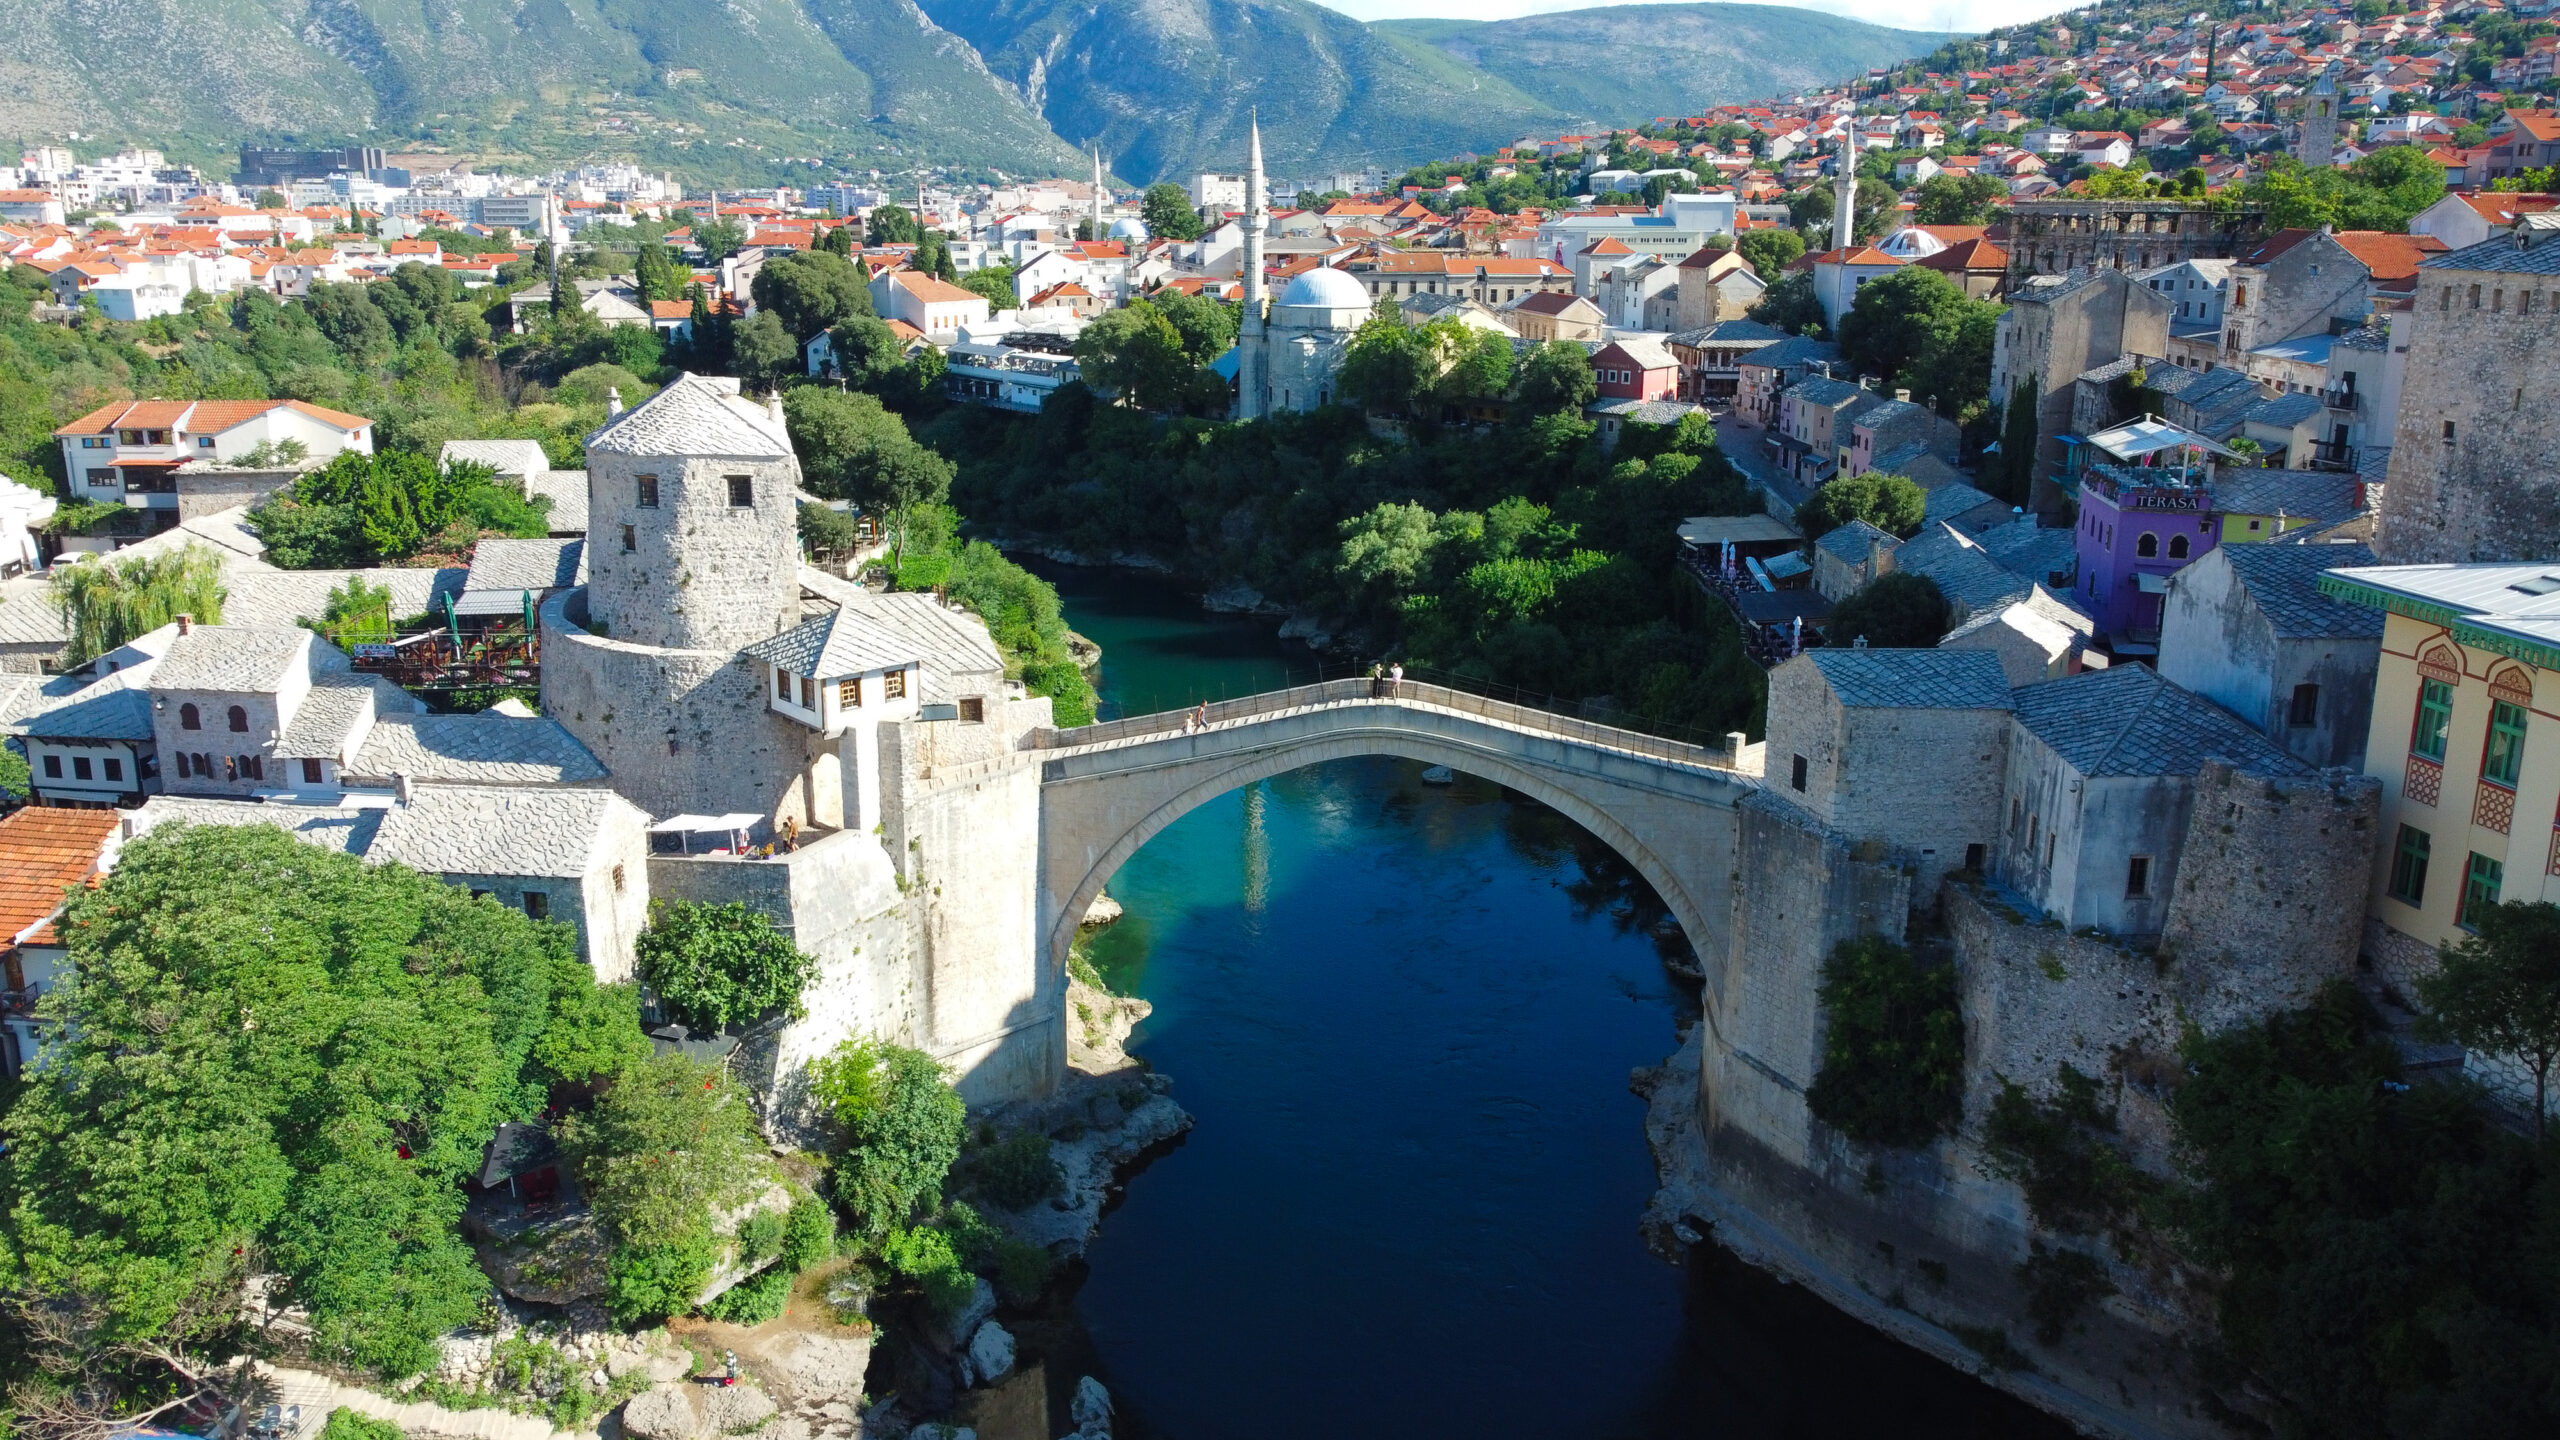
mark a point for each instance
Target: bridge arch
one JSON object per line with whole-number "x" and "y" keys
{"x": 1667, "y": 811}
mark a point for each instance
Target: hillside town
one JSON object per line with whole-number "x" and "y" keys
{"x": 2085, "y": 491}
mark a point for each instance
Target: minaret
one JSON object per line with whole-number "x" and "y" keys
{"x": 1097, "y": 195}
{"x": 1253, "y": 360}
{"x": 1844, "y": 190}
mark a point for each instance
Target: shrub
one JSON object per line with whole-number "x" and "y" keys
{"x": 1893, "y": 1052}
{"x": 2059, "y": 1285}
{"x": 925, "y": 1256}
{"x": 2062, "y": 1153}
{"x": 809, "y": 1236}
{"x": 757, "y": 1300}
{"x": 346, "y": 1424}
{"x": 902, "y": 1125}
{"x": 713, "y": 966}
{"x": 644, "y": 1283}
{"x": 760, "y": 1238}
{"x": 1017, "y": 1171}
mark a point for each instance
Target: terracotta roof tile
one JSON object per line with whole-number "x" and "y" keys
{"x": 43, "y": 853}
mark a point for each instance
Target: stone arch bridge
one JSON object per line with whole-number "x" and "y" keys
{"x": 1666, "y": 807}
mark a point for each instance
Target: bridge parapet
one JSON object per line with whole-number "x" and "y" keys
{"x": 1410, "y": 692}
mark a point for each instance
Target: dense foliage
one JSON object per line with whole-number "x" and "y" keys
{"x": 2391, "y": 1255}
{"x": 106, "y": 603}
{"x": 1893, "y": 504}
{"x": 266, "y": 1049}
{"x": 900, "y": 1124}
{"x": 2383, "y": 191}
{"x": 717, "y": 966}
{"x": 2498, "y": 992}
{"x": 671, "y": 1142}
{"x": 1892, "y": 1045}
{"x": 1897, "y": 611}
{"x": 362, "y": 510}
{"x": 1512, "y": 550}
{"x": 1021, "y": 610}
{"x": 1915, "y": 330}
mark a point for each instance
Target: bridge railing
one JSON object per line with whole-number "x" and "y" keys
{"x": 1412, "y": 691}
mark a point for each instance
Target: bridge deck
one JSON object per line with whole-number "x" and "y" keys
{"x": 1334, "y": 694}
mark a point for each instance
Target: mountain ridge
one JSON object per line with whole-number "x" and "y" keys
{"x": 733, "y": 91}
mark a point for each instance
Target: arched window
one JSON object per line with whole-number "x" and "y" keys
{"x": 188, "y": 719}
{"x": 2177, "y": 547}
{"x": 2147, "y": 546}
{"x": 239, "y": 720}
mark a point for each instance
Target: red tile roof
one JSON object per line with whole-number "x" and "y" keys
{"x": 44, "y": 852}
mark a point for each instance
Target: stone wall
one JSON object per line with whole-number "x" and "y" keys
{"x": 840, "y": 902}
{"x": 2266, "y": 907}
{"x": 960, "y": 819}
{"x": 2471, "y": 475}
{"x": 680, "y": 730}
{"x": 700, "y": 573}
{"x": 204, "y": 491}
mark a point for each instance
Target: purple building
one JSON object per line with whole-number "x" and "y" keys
{"x": 2146, "y": 510}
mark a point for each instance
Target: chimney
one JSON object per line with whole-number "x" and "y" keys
{"x": 612, "y": 401}
{"x": 186, "y": 624}
{"x": 773, "y": 404}
{"x": 400, "y": 783}
{"x": 1902, "y": 395}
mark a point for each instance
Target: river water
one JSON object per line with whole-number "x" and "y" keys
{"x": 1404, "y": 1015}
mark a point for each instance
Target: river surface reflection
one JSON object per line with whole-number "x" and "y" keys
{"x": 1404, "y": 1015}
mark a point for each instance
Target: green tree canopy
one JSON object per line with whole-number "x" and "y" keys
{"x": 716, "y": 966}
{"x": 1168, "y": 212}
{"x": 263, "y": 1045}
{"x": 106, "y": 603}
{"x": 1893, "y": 1048}
{"x": 668, "y": 1144}
{"x": 1958, "y": 199}
{"x": 995, "y": 284}
{"x": 1899, "y": 316}
{"x": 1891, "y": 503}
{"x": 852, "y": 448}
{"x": 1899, "y": 611}
{"x": 1790, "y": 305}
{"x": 2383, "y": 191}
{"x": 900, "y": 1124}
{"x": 1556, "y": 378}
{"x": 1770, "y": 250}
{"x": 2498, "y": 992}
{"x": 1155, "y": 353}
{"x": 891, "y": 225}
{"x": 809, "y": 291}
{"x": 763, "y": 352}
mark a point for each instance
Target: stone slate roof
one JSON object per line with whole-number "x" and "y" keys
{"x": 2126, "y": 720}
{"x": 232, "y": 657}
{"x": 497, "y": 830}
{"x": 1949, "y": 502}
{"x": 2284, "y": 582}
{"x": 835, "y": 645}
{"x": 1961, "y": 569}
{"x": 276, "y": 599}
{"x": 1913, "y": 679}
{"x": 1823, "y": 390}
{"x": 2323, "y": 496}
{"x": 2039, "y": 602}
{"x": 330, "y": 713}
{"x": 2034, "y": 551}
{"x": 697, "y": 415}
{"x": 521, "y": 565}
{"x": 2287, "y": 411}
{"x": 520, "y": 458}
{"x": 115, "y": 708}
{"x": 954, "y": 643}
{"x": 1852, "y": 542}
{"x": 567, "y": 490}
{"x": 2196, "y": 387}
{"x": 1794, "y": 350}
{"x": 328, "y": 826}
{"x": 2504, "y": 253}
{"x": 482, "y": 749}
{"x": 33, "y": 617}
{"x": 1730, "y": 332}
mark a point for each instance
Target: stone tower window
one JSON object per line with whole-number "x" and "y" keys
{"x": 742, "y": 492}
{"x": 2137, "y": 877}
{"x": 630, "y": 540}
{"x": 189, "y": 719}
{"x": 647, "y": 488}
{"x": 849, "y": 693}
{"x": 973, "y": 709}
{"x": 239, "y": 719}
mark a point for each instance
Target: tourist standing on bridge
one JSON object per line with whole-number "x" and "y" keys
{"x": 1377, "y": 681}
{"x": 1395, "y": 679}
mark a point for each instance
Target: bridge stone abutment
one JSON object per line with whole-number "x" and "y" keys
{"x": 1674, "y": 821}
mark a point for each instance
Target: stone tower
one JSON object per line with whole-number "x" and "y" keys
{"x": 1253, "y": 342}
{"x": 2317, "y": 146}
{"x": 693, "y": 539}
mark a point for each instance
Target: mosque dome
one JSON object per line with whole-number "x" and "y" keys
{"x": 1325, "y": 288}
{"x": 1128, "y": 227}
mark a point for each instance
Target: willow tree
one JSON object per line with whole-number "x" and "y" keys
{"x": 106, "y": 603}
